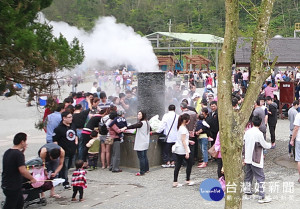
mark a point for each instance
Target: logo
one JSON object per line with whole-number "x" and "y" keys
{"x": 71, "y": 135}
{"x": 211, "y": 190}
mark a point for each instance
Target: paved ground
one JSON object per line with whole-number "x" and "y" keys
{"x": 124, "y": 190}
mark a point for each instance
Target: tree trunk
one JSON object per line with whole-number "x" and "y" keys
{"x": 232, "y": 123}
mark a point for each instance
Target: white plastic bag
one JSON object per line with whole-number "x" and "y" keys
{"x": 155, "y": 123}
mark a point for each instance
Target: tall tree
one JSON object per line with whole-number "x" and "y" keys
{"x": 29, "y": 53}
{"x": 232, "y": 123}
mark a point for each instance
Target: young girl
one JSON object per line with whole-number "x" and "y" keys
{"x": 94, "y": 145}
{"x": 141, "y": 142}
{"x": 182, "y": 150}
{"x": 78, "y": 180}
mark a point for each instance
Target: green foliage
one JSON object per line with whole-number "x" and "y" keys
{"x": 29, "y": 53}
{"x": 193, "y": 16}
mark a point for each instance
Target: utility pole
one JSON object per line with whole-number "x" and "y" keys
{"x": 170, "y": 25}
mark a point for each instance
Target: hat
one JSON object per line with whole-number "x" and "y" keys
{"x": 185, "y": 93}
{"x": 120, "y": 112}
{"x": 195, "y": 95}
{"x": 208, "y": 86}
{"x": 210, "y": 94}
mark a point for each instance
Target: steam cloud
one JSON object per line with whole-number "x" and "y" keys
{"x": 110, "y": 43}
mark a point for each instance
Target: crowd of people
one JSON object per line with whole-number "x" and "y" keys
{"x": 87, "y": 123}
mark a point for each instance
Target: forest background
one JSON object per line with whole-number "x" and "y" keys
{"x": 192, "y": 16}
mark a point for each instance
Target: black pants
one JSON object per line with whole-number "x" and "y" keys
{"x": 77, "y": 189}
{"x": 93, "y": 159}
{"x": 220, "y": 165}
{"x": 167, "y": 154}
{"x": 85, "y": 139}
{"x": 14, "y": 199}
{"x": 179, "y": 160}
{"x": 272, "y": 133}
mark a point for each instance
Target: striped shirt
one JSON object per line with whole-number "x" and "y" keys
{"x": 78, "y": 178}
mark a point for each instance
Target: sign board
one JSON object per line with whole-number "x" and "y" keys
{"x": 287, "y": 92}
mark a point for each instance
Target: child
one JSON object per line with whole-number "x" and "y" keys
{"x": 78, "y": 180}
{"x": 202, "y": 130}
{"x": 93, "y": 152}
{"x": 121, "y": 122}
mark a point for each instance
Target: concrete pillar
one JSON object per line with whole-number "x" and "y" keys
{"x": 151, "y": 93}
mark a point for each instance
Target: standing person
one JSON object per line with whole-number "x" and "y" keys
{"x": 182, "y": 150}
{"x": 141, "y": 142}
{"x": 114, "y": 133}
{"x": 169, "y": 127}
{"x": 74, "y": 83}
{"x": 78, "y": 180}
{"x": 295, "y": 141}
{"x": 292, "y": 115}
{"x": 12, "y": 171}
{"x": 213, "y": 121}
{"x": 105, "y": 139}
{"x": 80, "y": 117}
{"x": 93, "y": 145}
{"x": 53, "y": 156}
{"x": 260, "y": 112}
{"x": 52, "y": 121}
{"x": 245, "y": 79}
{"x": 201, "y": 130}
{"x": 254, "y": 143}
{"x": 65, "y": 136}
{"x": 121, "y": 122}
{"x": 191, "y": 128}
{"x": 269, "y": 90}
{"x": 219, "y": 157}
{"x": 272, "y": 119}
{"x": 85, "y": 135}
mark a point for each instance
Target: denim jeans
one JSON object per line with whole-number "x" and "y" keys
{"x": 144, "y": 164}
{"x": 203, "y": 142}
{"x": 64, "y": 171}
{"x": 79, "y": 150}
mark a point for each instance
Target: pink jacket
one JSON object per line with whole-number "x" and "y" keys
{"x": 114, "y": 132}
{"x": 218, "y": 145}
{"x": 269, "y": 91}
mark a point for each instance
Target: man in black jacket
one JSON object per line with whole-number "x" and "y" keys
{"x": 213, "y": 121}
{"x": 272, "y": 119}
{"x": 65, "y": 136}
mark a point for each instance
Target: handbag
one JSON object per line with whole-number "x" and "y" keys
{"x": 109, "y": 141}
{"x": 163, "y": 137}
{"x": 213, "y": 152}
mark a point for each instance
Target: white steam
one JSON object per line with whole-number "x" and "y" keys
{"x": 110, "y": 43}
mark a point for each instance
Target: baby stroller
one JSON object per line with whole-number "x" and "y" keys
{"x": 31, "y": 192}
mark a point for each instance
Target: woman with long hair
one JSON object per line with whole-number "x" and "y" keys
{"x": 105, "y": 140}
{"x": 141, "y": 142}
{"x": 182, "y": 150}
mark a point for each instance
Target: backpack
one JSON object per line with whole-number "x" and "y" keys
{"x": 103, "y": 130}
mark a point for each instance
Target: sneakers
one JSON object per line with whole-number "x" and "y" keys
{"x": 166, "y": 165}
{"x": 172, "y": 165}
{"x": 67, "y": 186}
{"x": 139, "y": 174}
{"x": 264, "y": 200}
{"x": 176, "y": 185}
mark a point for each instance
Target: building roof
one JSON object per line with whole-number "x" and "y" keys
{"x": 188, "y": 37}
{"x": 287, "y": 50}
